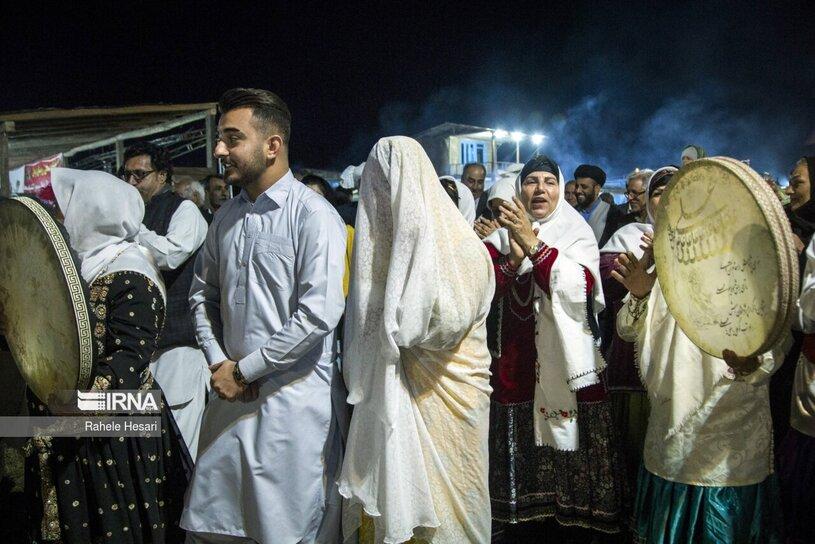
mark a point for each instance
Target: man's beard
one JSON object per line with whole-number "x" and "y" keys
{"x": 248, "y": 172}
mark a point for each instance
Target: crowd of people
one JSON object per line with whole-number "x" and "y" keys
{"x": 437, "y": 362}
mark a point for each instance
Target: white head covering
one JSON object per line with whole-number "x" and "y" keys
{"x": 504, "y": 189}
{"x": 466, "y": 202}
{"x": 568, "y": 358}
{"x": 420, "y": 281}
{"x": 627, "y": 239}
{"x": 103, "y": 215}
{"x": 349, "y": 178}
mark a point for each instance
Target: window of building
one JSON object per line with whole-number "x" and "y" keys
{"x": 473, "y": 151}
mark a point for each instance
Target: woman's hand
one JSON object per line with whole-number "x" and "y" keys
{"x": 742, "y": 366}
{"x": 484, "y": 227}
{"x": 633, "y": 273}
{"x": 799, "y": 245}
{"x": 514, "y": 218}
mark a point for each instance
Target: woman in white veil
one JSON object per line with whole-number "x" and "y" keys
{"x": 416, "y": 362}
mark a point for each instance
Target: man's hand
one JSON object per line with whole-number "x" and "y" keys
{"x": 742, "y": 366}
{"x": 223, "y": 383}
{"x": 633, "y": 273}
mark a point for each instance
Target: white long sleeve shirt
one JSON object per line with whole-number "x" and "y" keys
{"x": 186, "y": 233}
{"x": 267, "y": 292}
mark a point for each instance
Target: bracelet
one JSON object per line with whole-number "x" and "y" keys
{"x": 640, "y": 305}
{"x": 534, "y": 249}
{"x": 238, "y": 375}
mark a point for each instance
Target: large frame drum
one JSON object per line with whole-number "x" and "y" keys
{"x": 725, "y": 257}
{"x": 43, "y": 301}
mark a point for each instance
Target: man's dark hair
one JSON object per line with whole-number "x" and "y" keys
{"x": 450, "y": 188}
{"x": 270, "y": 112}
{"x": 473, "y": 165}
{"x": 342, "y": 196}
{"x": 205, "y": 182}
{"x": 314, "y": 179}
{"x": 158, "y": 156}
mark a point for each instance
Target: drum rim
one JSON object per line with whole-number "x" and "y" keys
{"x": 784, "y": 229}
{"x": 75, "y": 288}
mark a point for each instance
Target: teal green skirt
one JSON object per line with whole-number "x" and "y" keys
{"x": 673, "y": 513}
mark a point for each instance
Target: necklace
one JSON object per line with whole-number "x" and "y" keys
{"x": 523, "y": 304}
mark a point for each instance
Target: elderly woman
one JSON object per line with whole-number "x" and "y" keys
{"x": 551, "y": 452}
{"x": 127, "y": 490}
{"x": 416, "y": 361}
{"x": 707, "y": 460}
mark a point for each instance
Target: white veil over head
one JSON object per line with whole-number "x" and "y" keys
{"x": 103, "y": 215}
{"x": 420, "y": 280}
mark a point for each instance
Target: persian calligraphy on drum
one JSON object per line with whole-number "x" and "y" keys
{"x": 724, "y": 257}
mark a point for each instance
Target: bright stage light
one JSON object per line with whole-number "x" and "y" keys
{"x": 517, "y": 136}
{"x": 537, "y": 139}
{"x": 500, "y": 133}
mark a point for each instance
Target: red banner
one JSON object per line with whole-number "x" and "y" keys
{"x": 38, "y": 179}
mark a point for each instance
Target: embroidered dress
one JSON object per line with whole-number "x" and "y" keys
{"x": 122, "y": 490}
{"x": 528, "y": 482}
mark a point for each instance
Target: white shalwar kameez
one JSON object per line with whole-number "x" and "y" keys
{"x": 267, "y": 292}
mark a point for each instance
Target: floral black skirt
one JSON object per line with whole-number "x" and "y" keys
{"x": 583, "y": 488}
{"x": 122, "y": 490}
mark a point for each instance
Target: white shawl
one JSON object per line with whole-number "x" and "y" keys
{"x": 420, "y": 281}
{"x": 628, "y": 238}
{"x": 568, "y": 358}
{"x": 102, "y": 217}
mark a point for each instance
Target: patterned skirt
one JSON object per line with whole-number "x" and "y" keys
{"x": 92, "y": 490}
{"x": 673, "y": 513}
{"x": 582, "y": 488}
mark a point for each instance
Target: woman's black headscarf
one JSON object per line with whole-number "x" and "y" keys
{"x": 540, "y": 163}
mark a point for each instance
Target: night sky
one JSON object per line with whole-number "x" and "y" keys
{"x": 620, "y": 85}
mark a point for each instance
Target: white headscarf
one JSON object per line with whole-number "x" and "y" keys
{"x": 466, "y": 202}
{"x": 568, "y": 358}
{"x": 103, "y": 215}
{"x": 504, "y": 189}
{"x": 420, "y": 280}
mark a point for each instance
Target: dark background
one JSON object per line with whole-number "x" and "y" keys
{"x": 617, "y": 84}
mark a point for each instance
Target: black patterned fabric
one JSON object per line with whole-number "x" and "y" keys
{"x": 122, "y": 490}
{"x": 527, "y": 482}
